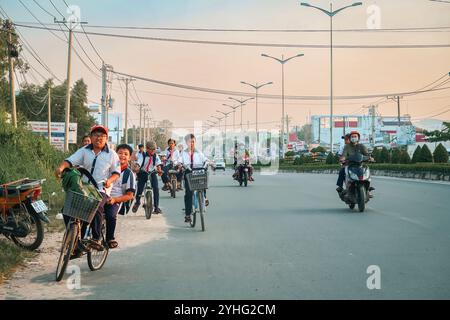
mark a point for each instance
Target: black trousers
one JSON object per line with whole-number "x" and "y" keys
{"x": 142, "y": 180}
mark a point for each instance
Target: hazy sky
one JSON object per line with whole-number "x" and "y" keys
{"x": 356, "y": 71}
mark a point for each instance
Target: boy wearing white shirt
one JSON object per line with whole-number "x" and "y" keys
{"x": 192, "y": 158}
{"x": 172, "y": 159}
{"x": 123, "y": 190}
{"x": 148, "y": 162}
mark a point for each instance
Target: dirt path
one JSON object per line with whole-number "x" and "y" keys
{"x": 36, "y": 278}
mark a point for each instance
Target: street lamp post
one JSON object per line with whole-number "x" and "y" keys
{"x": 234, "y": 112}
{"x": 226, "y": 116}
{"x": 241, "y": 103}
{"x": 331, "y": 14}
{"x": 282, "y": 61}
{"x": 218, "y": 119}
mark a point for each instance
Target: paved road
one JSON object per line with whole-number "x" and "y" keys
{"x": 289, "y": 237}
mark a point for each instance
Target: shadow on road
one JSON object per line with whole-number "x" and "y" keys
{"x": 306, "y": 211}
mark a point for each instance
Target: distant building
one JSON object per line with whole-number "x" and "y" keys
{"x": 375, "y": 131}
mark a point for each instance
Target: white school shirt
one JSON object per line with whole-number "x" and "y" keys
{"x": 145, "y": 167}
{"x": 175, "y": 155}
{"x": 119, "y": 189}
{"x": 102, "y": 166}
{"x": 199, "y": 159}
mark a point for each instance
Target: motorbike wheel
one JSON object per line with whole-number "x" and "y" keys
{"x": 361, "y": 196}
{"x": 35, "y": 237}
{"x": 351, "y": 206}
{"x": 148, "y": 205}
{"x": 173, "y": 191}
{"x": 245, "y": 178}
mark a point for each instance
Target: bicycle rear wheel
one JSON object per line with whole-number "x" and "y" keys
{"x": 95, "y": 258}
{"x": 173, "y": 191}
{"x": 194, "y": 211}
{"x": 201, "y": 204}
{"x": 67, "y": 247}
{"x": 148, "y": 204}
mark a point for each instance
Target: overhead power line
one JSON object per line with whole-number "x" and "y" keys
{"x": 414, "y": 29}
{"x": 252, "y": 44}
{"x": 270, "y": 96}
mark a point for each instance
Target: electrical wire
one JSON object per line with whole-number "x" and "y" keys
{"x": 268, "y": 96}
{"x": 253, "y": 44}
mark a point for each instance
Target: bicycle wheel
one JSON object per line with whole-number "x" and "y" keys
{"x": 95, "y": 258}
{"x": 201, "y": 204}
{"x": 173, "y": 191}
{"x": 194, "y": 210}
{"x": 68, "y": 243}
{"x": 148, "y": 204}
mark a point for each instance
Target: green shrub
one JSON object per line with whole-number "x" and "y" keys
{"x": 289, "y": 154}
{"x": 330, "y": 158}
{"x": 425, "y": 154}
{"x": 384, "y": 155}
{"x": 404, "y": 157}
{"x": 27, "y": 155}
{"x": 416, "y": 155}
{"x": 318, "y": 149}
{"x": 336, "y": 158}
{"x": 395, "y": 155}
{"x": 440, "y": 154}
{"x": 376, "y": 154}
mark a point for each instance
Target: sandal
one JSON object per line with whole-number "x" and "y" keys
{"x": 96, "y": 245}
{"x": 112, "y": 244}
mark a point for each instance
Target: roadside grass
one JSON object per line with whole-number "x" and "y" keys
{"x": 11, "y": 256}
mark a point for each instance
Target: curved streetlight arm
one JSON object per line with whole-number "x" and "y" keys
{"x": 249, "y": 84}
{"x": 267, "y": 56}
{"x": 224, "y": 113}
{"x": 281, "y": 60}
{"x": 351, "y": 5}
{"x": 296, "y": 56}
{"x": 323, "y": 10}
{"x": 265, "y": 84}
{"x": 232, "y": 107}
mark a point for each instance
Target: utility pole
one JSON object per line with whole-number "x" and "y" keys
{"x": 287, "y": 127}
{"x": 127, "y": 81}
{"x": 134, "y": 135}
{"x": 141, "y": 107}
{"x": 49, "y": 117}
{"x": 72, "y": 25}
{"x": 144, "y": 132}
{"x": 343, "y": 125}
{"x": 12, "y": 53}
{"x": 118, "y": 129}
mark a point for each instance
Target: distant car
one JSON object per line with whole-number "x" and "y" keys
{"x": 218, "y": 165}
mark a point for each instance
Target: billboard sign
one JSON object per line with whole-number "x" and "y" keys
{"x": 57, "y": 132}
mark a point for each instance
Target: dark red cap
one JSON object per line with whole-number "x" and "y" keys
{"x": 99, "y": 128}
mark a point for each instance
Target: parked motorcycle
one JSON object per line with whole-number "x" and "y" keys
{"x": 357, "y": 182}
{"x": 22, "y": 214}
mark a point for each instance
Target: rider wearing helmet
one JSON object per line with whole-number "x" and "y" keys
{"x": 354, "y": 146}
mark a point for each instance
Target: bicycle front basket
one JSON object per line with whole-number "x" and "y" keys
{"x": 79, "y": 206}
{"x": 197, "y": 180}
